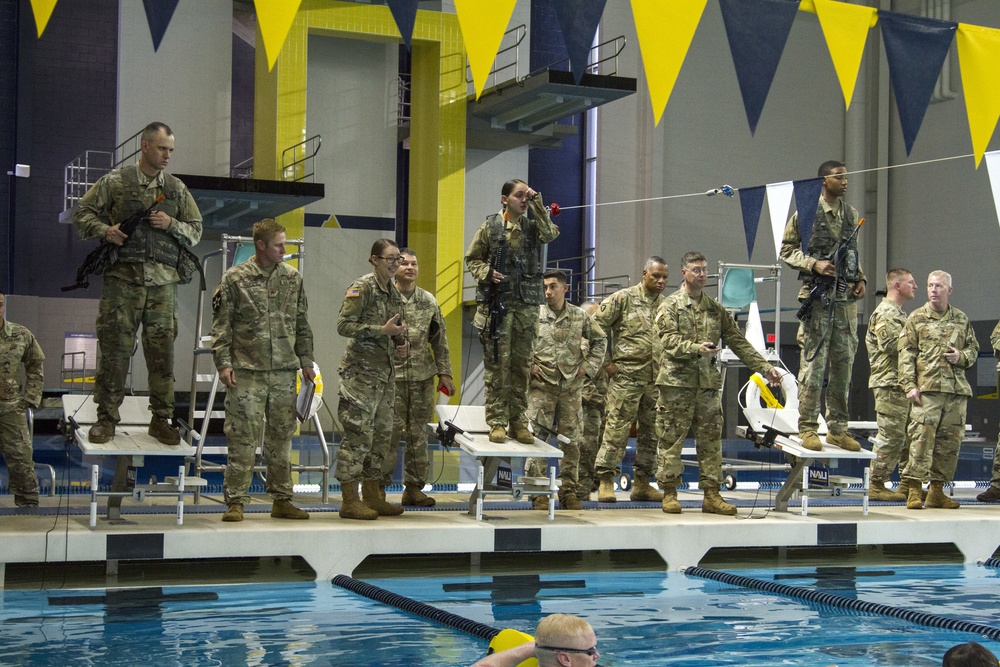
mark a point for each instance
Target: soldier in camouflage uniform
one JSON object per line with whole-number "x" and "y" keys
{"x": 415, "y": 385}
{"x": 595, "y": 390}
{"x": 18, "y": 347}
{"x": 992, "y": 494}
{"x": 518, "y": 281}
{"x": 569, "y": 347}
{"x": 891, "y": 407}
{"x": 689, "y": 325}
{"x": 141, "y": 287}
{"x": 821, "y": 339}
{"x": 936, "y": 347}
{"x": 627, "y": 318}
{"x": 372, "y": 317}
{"x": 260, "y": 337}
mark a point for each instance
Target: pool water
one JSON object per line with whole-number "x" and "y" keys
{"x": 641, "y": 618}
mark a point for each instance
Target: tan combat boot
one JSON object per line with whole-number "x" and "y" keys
{"x": 810, "y": 441}
{"x": 990, "y": 495}
{"x": 904, "y": 488}
{"x": 569, "y": 501}
{"x": 713, "y": 503}
{"x": 877, "y": 491}
{"x": 844, "y": 441}
{"x": 521, "y": 433}
{"x": 914, "y": 501}
{"x": 351, "y": 506}
{"x": 540, "y": 503}
{"x": 937, "y": 499}
{"x": 606, "y": 492}
{"x": 498, "y": 434}
{"x": 234, "y": 512}
{"x": 101, "y": 432}
{"x": 373, "y": 499}
{"x": 670, "y": 502}
{"x": 161, "y": 429}
{"x": 282, "y": 508}
{"x": 414, "y": 496}
{"x": 643, "y": 492}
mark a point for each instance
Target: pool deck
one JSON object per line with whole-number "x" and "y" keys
{"x": 335, "y": 546}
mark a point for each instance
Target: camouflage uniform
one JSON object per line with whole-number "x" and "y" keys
{"x": 627, "y": 318}
{"x": 565, "y": 341}
{"x": 892, "y": 408}
{"x": 595, "y": 390}
{"x": 995, "y": 479}
{"x": 367, "y": 380}
{"x": 141, "y": 287}
{"x": 836, "y": 342}
{"x": 690, "y": 385}
{"x": 260, "y": 330}
{"x": 415, "y": 386}
{"x": 18, "y": 347}
{"x": 506, "y": 381}
{"x": 936, "y": 425}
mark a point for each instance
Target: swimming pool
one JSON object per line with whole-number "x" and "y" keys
{"x": 641, "y": 618}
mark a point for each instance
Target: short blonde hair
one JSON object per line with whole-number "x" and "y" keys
{"x": 560, "y": 629}
{"x": 265, "y": 230}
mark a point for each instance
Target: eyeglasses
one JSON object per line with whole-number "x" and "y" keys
{"x": 698, "y": 270}
{"x": 395, "y": 259}
{"x": 589, "y": 651}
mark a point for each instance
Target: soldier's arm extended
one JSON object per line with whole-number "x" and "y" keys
{"x": 186, "y": 227}
{"x": 547, "y": 230}
{"x": 477, "y": 257}
{"x": 349, "y": 322}
{"x": 303, "y": 332}
{"x": 33, "y": 371}
{"x": 437, "y": 336}
{"x": 791, "y": 247}
{"x": 598, "y": 346}
{"x": 908, "y": 349}
{"x": 222, "y": 330}
{"x": 738, "y": 343}
{"x": 93, "y": 209}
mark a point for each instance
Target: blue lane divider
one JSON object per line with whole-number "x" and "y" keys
{"x": 411, "y": 606}
{"x": 918, "y": 617}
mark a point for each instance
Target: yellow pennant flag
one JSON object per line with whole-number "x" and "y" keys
{"x": 43, "y": 11}
{"x": 665, "y": 34}
{"x": 978, "y": 55}
{"x": 483, "y": 26}
{"x": 846, "y": 30}
{"x": 275, "y": 18}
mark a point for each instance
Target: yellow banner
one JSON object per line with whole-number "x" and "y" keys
{"x": 845, "y": 28}
{"x": 978, "y": 55}
{"x": 43, "y": 11}
{"x": 275, "y": 18}
{"x": 665, "y": 34}
{"x": 483, "y": 28}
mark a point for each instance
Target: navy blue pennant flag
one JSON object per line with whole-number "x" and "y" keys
{"x": 405, "y": 13}
{"x": 807, "y": 192}
{"x": 158, "y": 15}
{"x": 915, "y": 49}
{"x": 578, "y": 21}
{"x": 757, "y": 33}
{"x": 751, "y": 204}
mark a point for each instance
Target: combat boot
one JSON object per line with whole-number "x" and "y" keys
{"x": 938, "y": 500}
{"x": 370, "y": 494}
{"x": 234, "y": 512}
{"x": 844, "y": 441}
{"x": 670, "y": 503}
{"x": 540, "y": 503}
{"x": 160, "y": 429}
{"x": 914, "y": 501}
{"x": 810, "y": 441}
{"x": 498, "y": 434}
{"x": 713, "y": 503}
{"x": 101, "y": 432}
{"x": 643, "y": 492}
{"x": 282, "y": 508}
{"x": 521, "y": 433}
{"x": 569, "y": 501}
{"x": 904, "y": 488}
{"x": 414, "y": 496}
{"x": 606, "y": 492}
{"x": 990, "y": 495}
{"x": 351, "y": 506}
{"x": 877, "y": 491}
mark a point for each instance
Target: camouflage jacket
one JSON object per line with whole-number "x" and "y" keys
{"x": 922, "y": 346}
{"x": 110, "y": 201}
{"x": 259, "y": 319}
{"x": 18, "y": 347}
{"x": 564, "y": 341}
{"x": 595, "y": 389}
{"x": 627, "y": 318}
{"x": 682, "y": 325}
{"x": 367, "y": 307}
{"x": 428, "y": 338}
{"x": 995, "y": 340}
{"x": 882, "y": 340}
{"x": 828, "y": 229}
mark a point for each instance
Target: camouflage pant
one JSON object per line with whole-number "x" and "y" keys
{"x": 628, "y": 399}
{"x": 592, "y": 427}
{"x": 548, "y": 405}
{"x": 995, "y": 480}
{"x": 936, "y": 428}
{"x": 15, "y": 446}
{"x": 261, "y": 405}
{"x": 679, "y": 410}
{"x": 123, "y": 308}
{"x": 506, "y": 381}
{"x": 366, "y": 413}
{"x": 836, "y": 344}
{"x": 414, "y": 410}
{"x": 892, "y": 447}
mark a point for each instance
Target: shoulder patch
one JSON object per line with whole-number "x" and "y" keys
{"x": 352, "y": 292}
{"x": 880, "y": 325}
{"x": 217, "y": 299}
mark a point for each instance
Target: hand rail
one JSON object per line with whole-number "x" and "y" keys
{"x": 310, "y": 147}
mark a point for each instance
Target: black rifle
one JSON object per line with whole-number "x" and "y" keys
{"x": 106, "y": 254}
{"x": 823, "y": 285}
{"x": 495, "y": 293}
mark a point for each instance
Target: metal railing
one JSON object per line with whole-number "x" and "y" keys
{"x": 403, "y": 104}
{"x": 298, "y": 162}
{"x": 513, "y": 37}
{"x": 617, "y": 44}
{"x": 126, "y": 151}
{"x": 242, "y": 170}
{"x": 80, "y": 174}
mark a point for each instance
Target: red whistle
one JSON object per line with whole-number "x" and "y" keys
{"x": 554, "y": 209}
{"x": 444, "y": 390}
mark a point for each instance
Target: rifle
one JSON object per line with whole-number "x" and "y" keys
{"x": 823, "y": 285}
{"x": 495, "y": 296}
{"x": 106, "y": 254}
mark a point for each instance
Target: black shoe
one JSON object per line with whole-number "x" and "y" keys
{"x": 990, "y": 495}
